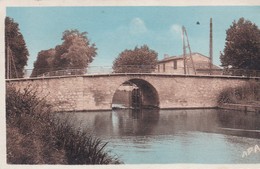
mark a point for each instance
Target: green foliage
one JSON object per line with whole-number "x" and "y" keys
{"x": 36, "y": 135}
{"x": 16, "y": 48}
{"x": 248, "y": 93}
{"x": 242, "y": 46}
{"x": 30, "y": 136}
{"x": 75, "y": 52}
{"x": 80, "y": 147}
{"x": 139, "y": 60}
{"x": 44, "y": 62}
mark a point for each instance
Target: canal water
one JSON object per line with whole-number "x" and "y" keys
{"x": 202, "y": 136}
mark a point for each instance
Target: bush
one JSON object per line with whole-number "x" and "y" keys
{"x": 36, "y": 136}
{"x": 80, "y": 147}
{"x": 248, "y": 93}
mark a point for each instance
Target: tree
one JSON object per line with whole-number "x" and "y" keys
{"x": 139, "y": 60}
{"x": 44, "y": 62}
{"x": 242, "y": 46}
{"x": 16, "y": 53}
{"x": 75, "y": 51}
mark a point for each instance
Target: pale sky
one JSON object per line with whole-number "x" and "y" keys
{"x": 114, "y": 29}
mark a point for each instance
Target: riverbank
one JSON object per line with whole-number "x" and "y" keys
{"x": 242, "y": 98}
{"x": 255, "y": 107}
{"x": 35, "y": 135}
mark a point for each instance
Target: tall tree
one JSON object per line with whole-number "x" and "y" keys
{"x": 242, "y": 48}
{"x": 139, "y": 60}
{"x": 75, "y": 51}
{"x": 44, "y": 62}
{"x": 16, "y": 53}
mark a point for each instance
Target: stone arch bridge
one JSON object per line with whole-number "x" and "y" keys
{"x": 95, "y": 92}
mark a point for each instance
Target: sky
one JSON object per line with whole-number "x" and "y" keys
{"x": 114, "y": 29}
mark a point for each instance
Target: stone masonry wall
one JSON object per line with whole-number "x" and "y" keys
{"x": 95, "y": 92}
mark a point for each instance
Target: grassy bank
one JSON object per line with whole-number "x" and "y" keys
{"x": 36, "y": 136}
{"x": 248, "y": 94}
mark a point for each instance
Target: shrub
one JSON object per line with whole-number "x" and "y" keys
{"x": 36, "y": 136}
{"x": 29, "y": 129}
{"x": 250, "y": 92}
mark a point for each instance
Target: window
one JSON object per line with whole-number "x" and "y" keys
{"x": 175, "y": 64}
{"x": 164, "y": 67}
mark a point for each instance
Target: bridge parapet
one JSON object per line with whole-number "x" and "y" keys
{"x": 134, "y": 74}
{"x": 96, "y": 91}
{"x": 133, "y": 69}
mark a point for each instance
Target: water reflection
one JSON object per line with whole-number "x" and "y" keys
{"x": 135, "y": 122}
{"x": 128, "y": 122}
{"x": 175, "y": 136}
{"x": 173, "y": 121}
{"x": 246, "y": 124}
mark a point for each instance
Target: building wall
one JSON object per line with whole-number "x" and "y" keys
{"x": 122, "y": 98}
{"x": 200, "y": 62}
{"x": 169, "y": 67}
{"x": 95, "y": 92}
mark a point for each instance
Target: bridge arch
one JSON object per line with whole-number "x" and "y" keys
{"x": 139, "y": 90}
{"x": 95, "y": 92}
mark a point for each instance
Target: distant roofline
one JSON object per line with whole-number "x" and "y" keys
{"x": 171, "y": 58}
{"x": 178, "y": 57}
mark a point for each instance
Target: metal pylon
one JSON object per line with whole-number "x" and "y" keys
{"x": 10, "y": 63}
{"x": 184, "y": 41}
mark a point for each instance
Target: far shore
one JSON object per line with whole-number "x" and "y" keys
{"x": 247, "y": 107}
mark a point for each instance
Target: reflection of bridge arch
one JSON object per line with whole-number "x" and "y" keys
{"x": 141, "y": 94}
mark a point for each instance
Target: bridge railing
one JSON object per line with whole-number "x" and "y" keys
{"x": 241, "y": 72}
{"x": 45, "y": 72}
{"x": 90, "y": 70}
{"x": 135, "y": 69}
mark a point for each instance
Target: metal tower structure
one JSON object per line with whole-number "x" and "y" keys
{"x": 10, "y": 63}
{"x": 8, "y": 66}
{"x": 210, "y": 47}
{"x": 185, "y": 40}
